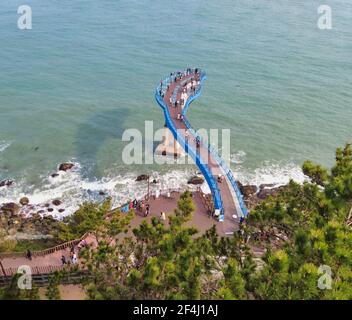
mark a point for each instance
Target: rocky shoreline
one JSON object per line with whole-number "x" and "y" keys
{"x": 24, "y": 217}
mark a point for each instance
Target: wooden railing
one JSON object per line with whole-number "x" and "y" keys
{"x": 60, "y": 246}
{"x": 35, "y": 270}
{"x": 44, "y": 252}
{"x": 42, "y": 279}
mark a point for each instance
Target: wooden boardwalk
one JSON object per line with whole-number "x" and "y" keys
{"x": 49, "y": 260}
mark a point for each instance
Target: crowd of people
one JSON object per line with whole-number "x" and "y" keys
{"x": 143, "y": 207}
{"x": 73, "y": 260}
{"x": 189, "y": 86}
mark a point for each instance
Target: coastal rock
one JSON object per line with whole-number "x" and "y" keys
{"x": 265, "y": 193}
{"x": 264, "y": 186}
{"x": 61, "y": 210}
{"x": 142, "y": 177}
{"x": 24, "y": 201}
{"x": 248, "y": 191}
{"x": 6, "y": 183}
{"x": 66, "y": 166}
{"x": 54, "y": 175}
{"x": 196, "y": 180}
{"x": 10, "y": 208}
{"x": 56, "y": 202}
{"x": 50, "y": 209}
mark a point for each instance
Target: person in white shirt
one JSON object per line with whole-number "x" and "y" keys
{"x": 162, "y": 216}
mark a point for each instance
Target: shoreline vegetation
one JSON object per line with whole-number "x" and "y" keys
{"x": 278, "y": 252}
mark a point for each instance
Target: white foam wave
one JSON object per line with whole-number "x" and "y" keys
{"x": 4, "y": 145}
{"x": 238, "y": 157}
{"x": 72, "y": 189}
{"x": 275, "y": 174}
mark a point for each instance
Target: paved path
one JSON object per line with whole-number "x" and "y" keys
{"x": 40, "y": 264}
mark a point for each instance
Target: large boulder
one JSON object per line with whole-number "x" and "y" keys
{"x": 6, "y": 183}
{"x": 248, "y": 191}
{"x": 66, "y": 166}
{"x": 196, "y": 180}
{"x": 265, "y": 193}
{"x": 24, "y": 201}
{"x": 11, "y": 208}
{"x": 142, "y": 177}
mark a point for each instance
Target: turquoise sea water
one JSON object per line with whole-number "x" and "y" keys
{"x": 87, "y": 71}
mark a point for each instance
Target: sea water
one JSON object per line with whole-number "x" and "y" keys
{"x": 87, "y": 71}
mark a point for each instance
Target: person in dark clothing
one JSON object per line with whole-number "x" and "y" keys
{"x": 63, "y": 260}
{"x": 29, "y": 255}
{"x": 135, "y": 203}
{"x": 147, "y": 208}
{"x": 241, "y": 220}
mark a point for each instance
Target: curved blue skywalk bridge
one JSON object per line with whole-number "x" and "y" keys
{"x": 184, "y": 87}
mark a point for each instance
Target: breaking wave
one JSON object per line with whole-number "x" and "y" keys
{"x": 72, "y": 189}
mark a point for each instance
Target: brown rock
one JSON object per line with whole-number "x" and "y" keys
{"x": 50, "y": 209}
{"x": 10, "y": 208}
{"x": 54, "y": 175}
{"x": 263, "y": 194}
{"x": 61, "y": 210}
{"x": 6, "y": 183}
{"x": 66, "y": 166}
{"x": 264, "y": 186}
{"x": 24, "y": 201}
{"x": 196, "y": 180}
{"x": 56, "y": 202}
{"x": 248, "y": 191}
{"x": 142, "y": 177}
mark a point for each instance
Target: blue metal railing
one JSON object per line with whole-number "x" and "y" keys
{"x": 215, "y": 154}
{"x": 206, "y": 171}
{"x": 202, "y": 166}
